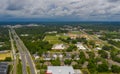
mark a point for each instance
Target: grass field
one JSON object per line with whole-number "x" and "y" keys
{"x": 4, "y": 55}
{"x": 19, "y": 68}
{"x": 75, "y": 32}
{"x": 54, "y": 39}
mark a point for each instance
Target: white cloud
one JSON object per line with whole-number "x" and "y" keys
{"x": 60, "y": 8}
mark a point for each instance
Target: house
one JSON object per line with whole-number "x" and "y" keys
{"x": 118, "y": 55}
{"x": 80, "y": 46}
{"x": 24, "y": 35}
{"x": 60, "y": 70}
{"x": 78, "y": 71}
{"x": 98, "y": 48}
{"x": 46, "y": 56}
{"x": 77, "y": 57}
{"x": 58, "y": 47}
{"x": 116, "y": 40}
{"x": 36, "y": 56}
{"x": 68, "y": 56}
{"x": 3, "y": 68}
{"x": 1, "y": 44}
{"x": 54, "y": 56}
{"x": 60, "y": 56}
{"x": 4, "y": 51}
{"x": 73, "y": 36}
{"x": 51, "y": 32}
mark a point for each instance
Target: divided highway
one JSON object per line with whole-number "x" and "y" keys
{"x": 13, "y": 53}
{"x": 24, "y": 54}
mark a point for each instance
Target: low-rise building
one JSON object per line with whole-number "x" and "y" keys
{"x": 47, "y": 56}
{"x": 3, "y": 68}
{"x": 24, "y": 35}
{"x": 77, "y": 71}
{"x": 36, "y": 56}
{"x": 116, "y": 40}
{"x": 77, "y": 57}
{"x": 98, "y": 48}
{"x": 80, "y": 46}
{"x": 1, "y": 44}
{"x": 58, "y": 47}
{"x": 68, "y": 56}
{"x": 60, "y": 70}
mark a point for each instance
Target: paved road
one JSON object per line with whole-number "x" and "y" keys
{"x": 22, "y": 55}
{"x": 13, "y": 53}
{"x": 23, "y": 60}
{"x": 25, "y": 55}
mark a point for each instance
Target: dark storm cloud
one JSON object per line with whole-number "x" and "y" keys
{"x": 14, "y": 7}
{"x": 60, "y": 8}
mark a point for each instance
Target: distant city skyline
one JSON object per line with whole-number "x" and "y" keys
{"x": 60, "y": 10}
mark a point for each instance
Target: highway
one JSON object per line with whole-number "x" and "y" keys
{"x": 13, "y": 53}
{"x": 24, "y": 53}
{"x": 23, "y": 60}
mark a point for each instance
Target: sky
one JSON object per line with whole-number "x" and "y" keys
{"x": 59, "y": 10}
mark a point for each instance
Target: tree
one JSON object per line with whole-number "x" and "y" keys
{"x": 115, "y": 69}
{"x": 40, "y": 52}
{"x": 67, "y": 62}
{"x": 8, "y": 59}
{"x": 92, "y": 67}
{"x": 73, "y": 56}
{"x": 77, "y": 66}
{"x": 38, "y": 66}
{"x": 102, "y": 68}
{"x": 92, "y": 43}
{"x": 56, "y": 62}
{"x": 74, "y": 41}
{"x": 82, "y": 40}
{"x": 71, "y": 48}
{"x": 106, "y": 47}
{"x": 81, "y": 61}
{"x": 103, "y": 53}
{"x": 82, "y": 55}
{"x": 91, "y": 54}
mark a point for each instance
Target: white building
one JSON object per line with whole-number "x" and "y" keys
{"x": 98, "y": 48}
{"x": 116, "y": 40}
{"x": 36, "y": 56}
{"x": 78, "y": 71}
{"x": 1, "y": 45}
{"x": 24, "y": 35}
{"x": 59, "y": 46}
{"x": 60, "y": 70}
{"x": 80, "y": 46}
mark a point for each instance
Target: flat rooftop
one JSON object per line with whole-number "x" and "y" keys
{"x": 3, "y": 68}
{"x": 61, "y": 69}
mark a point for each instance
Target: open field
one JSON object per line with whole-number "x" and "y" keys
{"x": 54, "y": 39}
{"x": 75, "y": 32}
{"x": 4, "y": 55}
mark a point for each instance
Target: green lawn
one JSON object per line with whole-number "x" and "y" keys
{"x": 4, "y": 55}
{"x": 75, "y": 32}
{"x": 19, "y": 68}
{"x": 54, "y": 39}
{"x": 106, "y": 73}
{"x": 28, "y": 70}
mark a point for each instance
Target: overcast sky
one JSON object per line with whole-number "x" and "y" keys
{"x": 70, "y": 10}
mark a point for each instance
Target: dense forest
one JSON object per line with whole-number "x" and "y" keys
{"x": 4, "y": 38}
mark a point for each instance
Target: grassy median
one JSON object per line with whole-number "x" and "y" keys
{"x": 19, "y": 68}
